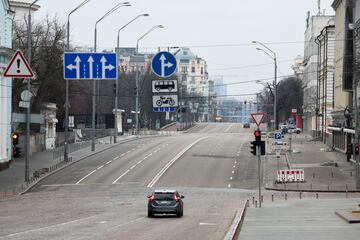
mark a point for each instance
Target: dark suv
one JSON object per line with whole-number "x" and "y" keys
{"x": 165, "y": 201}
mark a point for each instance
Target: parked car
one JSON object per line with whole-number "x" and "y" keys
{"x": 295, "y": 130}
{"x": 246, "y": 125}
{"x": 165, "y": 201}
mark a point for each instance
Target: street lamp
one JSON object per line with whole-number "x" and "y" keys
{"x": 117, "y": 80}
{"x": 116, "y": 7}
{"x": 27, "y": 151}
{"x": 137, "y": 78}
{"x": 152, "y": 29}
{"x": 67, "y": 82}
{"x": 272, "y": 56}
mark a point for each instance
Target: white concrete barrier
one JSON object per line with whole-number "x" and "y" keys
{"x": 290, "y": 175}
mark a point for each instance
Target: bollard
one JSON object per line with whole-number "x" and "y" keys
{"x": 311, "y": 186}
{"x": 332, "y": 174}
{"x": 313, "y": 175}
{"x": 285, "y": 196}
{"x": 300, "y": 194}
{"x": 262, "y": 198}
{"x": 256, "y": 204}
{"x": 253, "y": 200}
{"x": 328, "y": 186}
{"x": 247, "y": 203}
{"x": 272, "y": 197}
{"x": 346, "y": 191}
{"x": 317, "y": 196}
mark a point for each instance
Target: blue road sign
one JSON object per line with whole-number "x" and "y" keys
{"x": 164, "y": 109}
{"x": 278, "y": 136}
{"x": 163, "y": 64}
{"x": 88, "y": 66}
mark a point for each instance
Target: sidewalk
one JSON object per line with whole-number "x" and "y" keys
{"x": 12, "y": 180}
{"x": 324, "y": 170}
{"x": 300, "y": 219}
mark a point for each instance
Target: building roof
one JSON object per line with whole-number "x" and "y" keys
{"x": 24, "y": 4}
{"x": 185, "y": 54}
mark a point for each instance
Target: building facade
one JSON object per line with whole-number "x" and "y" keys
{"x": 6, "y": 15}
{"x": 314, "y": 25}
{"x": 326, "y": 71}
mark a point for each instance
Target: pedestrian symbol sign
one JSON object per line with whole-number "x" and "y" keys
{"x": 163, "y": 64}
{"x": 18, "y": 67}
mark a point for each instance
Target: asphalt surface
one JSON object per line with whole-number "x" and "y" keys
{"x": 104, "y": 195}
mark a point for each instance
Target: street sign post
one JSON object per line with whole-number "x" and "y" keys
{"x": 277, "y": 136}
{"x": 165, "y": 103}
{"x": 258, "y": 117}
{"x": 18, "y": 67}
{"x": 163, "y": 64}
{"x": 90, "y": 66}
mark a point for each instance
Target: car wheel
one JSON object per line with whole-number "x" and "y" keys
{"x": 179, "y": 214}
{"x": 150, "y": 214}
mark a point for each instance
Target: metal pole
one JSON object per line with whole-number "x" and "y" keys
{"x": 93, "y": 100}
{"x": 116, "y": 92}
{"x": 137, "y": 101}
{"x": 259, "y": 172}
{"x": 275, "y": 94}
{"x": 356, "y": 110}
{"x": 67, "y": 96}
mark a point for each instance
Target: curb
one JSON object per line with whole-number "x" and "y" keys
{"x": 310, "y": 190}
{"x": 71, "y": 163}
{"x": 237, "y": 223}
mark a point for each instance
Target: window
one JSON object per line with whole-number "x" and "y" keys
{"x": 202, "y": 70}
{"x": 192, "y": 69}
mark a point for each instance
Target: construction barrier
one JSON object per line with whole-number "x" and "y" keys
{"x": 292, "y": 175}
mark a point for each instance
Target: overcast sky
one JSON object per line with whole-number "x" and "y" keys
{"x": 206, "y": 26}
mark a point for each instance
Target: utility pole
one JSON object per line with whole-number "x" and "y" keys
{"x": 258, "y": 152}
{"x": 355, "y": 99}
{"x": 137, "y": 100}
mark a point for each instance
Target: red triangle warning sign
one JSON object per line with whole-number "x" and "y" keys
{"x": 258, "y": 117}
{"x": 18, "y": 67}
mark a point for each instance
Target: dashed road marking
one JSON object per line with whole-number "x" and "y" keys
{"x": 132, "y": 167}
{"x": 122, "y": 175}
{"x": 117, "y": 157}
{"x": 108, "y": 162}
{"x": 100, "y": 167}
{"x": 229, "y": 186}
{"x": 85, "y": 177}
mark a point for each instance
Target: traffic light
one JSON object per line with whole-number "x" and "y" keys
{"x": 15, "y": 139}
{"x": 257, "y": 135}
{"x": 114, "y": 88}
{"x": 16, "y": 151}
{"x": 135, "y": 91}
{"x": 262, "y": 148}
{"x": 253, "y": 148}
{"x": 357, "y": 149}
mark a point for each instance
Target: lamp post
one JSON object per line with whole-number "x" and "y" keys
{"x": 137, "y": 78}
{"x": 116, "y": 7}
{"x": 28, "y": 112}
{"x": 117, "y": 80}
{"x": 273, "y": 56}
{"x": 67, "y": 82}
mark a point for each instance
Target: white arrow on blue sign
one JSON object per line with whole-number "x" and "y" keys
{"x": 87, "y": 66}
{"x": 163, "y": 64}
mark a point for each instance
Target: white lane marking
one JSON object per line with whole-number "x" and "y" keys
{"x": 206, "y": 224}
{"x": 139, "y": 162}
{"x": 100, "y": 167}
{"x": 235, "y": 162}
{"x": 145, "y": 157}
{"x": 232, "y": 172}
{"x": 123, "y": 154}
{"x": 108, "y": 162}
{"x": 150, "y": 154}
{"x": 132, "y": 167}
{"x": 231, "y": 178}
{"x": 133, "y": 149}
{"x": 237, "y": 155}
{"x": 128, "y": 151}
{"x": 126, "y": 223}
{"x": 168, "y": 165}
{"x": 51, "y": 226}
{"x": 60, "y": 185}
{"x": 85, "y": 177}
{"x": 229, "y": 128}
{"x": 126, "y": 172}
{"x": 234, "y": 166}
{"x": 115, "y": 157}
{"x": 229, "y": 186}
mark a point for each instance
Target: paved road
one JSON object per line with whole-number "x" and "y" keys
{"x": 104, "y": 196}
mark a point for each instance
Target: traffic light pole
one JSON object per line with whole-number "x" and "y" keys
{"x": 258, "y": 150}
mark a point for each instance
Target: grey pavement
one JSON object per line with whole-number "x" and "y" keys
{"x": 300, "y": 219}
{"x": 12, "y": 180}
{"x": 318, "y": 161}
